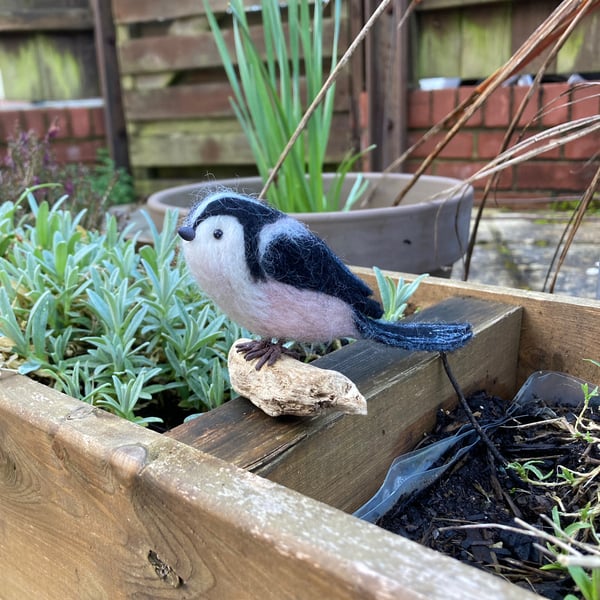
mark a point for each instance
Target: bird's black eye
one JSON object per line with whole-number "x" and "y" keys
{"x": 218, "y": 234}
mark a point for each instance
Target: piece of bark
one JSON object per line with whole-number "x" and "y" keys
{"x": 291, "y": 387}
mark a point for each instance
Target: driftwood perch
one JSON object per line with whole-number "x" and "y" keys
{"x": 290, "y": 387}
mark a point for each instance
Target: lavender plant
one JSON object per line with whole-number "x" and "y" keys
{"x": 91, "y": 315}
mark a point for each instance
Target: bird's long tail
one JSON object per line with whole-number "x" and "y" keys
{"x": 431, "y": 337}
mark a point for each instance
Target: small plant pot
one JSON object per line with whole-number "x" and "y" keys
{"x": 426, "y": 233}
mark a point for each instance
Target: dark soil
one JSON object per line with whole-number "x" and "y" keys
{"x": 479, "y": 491}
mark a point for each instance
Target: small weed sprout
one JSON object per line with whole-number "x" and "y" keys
{"x": 94, "y": 317}
{"x": 395, "y": 296}
{"x": 530, "y": 472}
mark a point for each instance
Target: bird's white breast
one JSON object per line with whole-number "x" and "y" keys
{"x": 265, "y": 307}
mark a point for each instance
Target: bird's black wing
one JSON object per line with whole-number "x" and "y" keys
{"x": 306, "y": 262}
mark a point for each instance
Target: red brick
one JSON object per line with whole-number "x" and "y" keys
{"x": 585, "y": 100}
{"x": 460, "y": 146}
{"x": 35, "y": 119}
{"x": 553, "y": 175}
{"x": 9, "y": 120}
{"x": 555, "y": 103}
{"x": 497, "y": 108}
{"x": 456, "y": 168}
{"x": 419, "y": 109}
{"x": 97, "y": 118}
{"x": 463, "y": 170}
{"x": 489, "y": 143}
{"x": 427, "y": 147}
{"x": 81, "y": 125}
{"x": 443, "y": 102}
{"x": 78, "y": 151}
{"x": 530, "y": 115}
{"x": 463, "y": 93}
{"x": 584, "y": 148}
{"x": 410, "y": 166}
{"x": 553, "y": 153}
{"x": 62, "y": 118}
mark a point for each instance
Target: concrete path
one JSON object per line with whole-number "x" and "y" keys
{"x": 515, "y": 249}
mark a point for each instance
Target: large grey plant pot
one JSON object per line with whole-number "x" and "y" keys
{"x": 427, "y": 233}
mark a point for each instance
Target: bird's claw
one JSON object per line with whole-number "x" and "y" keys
{"x": 267, "y": 351}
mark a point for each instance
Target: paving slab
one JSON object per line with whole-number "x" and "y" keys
{"x": 516, "y": 249}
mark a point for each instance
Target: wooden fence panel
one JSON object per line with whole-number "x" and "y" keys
{"x": 471, "y": 38}
{"x": 47, "y": 50}
{"x": 180, "y": 122}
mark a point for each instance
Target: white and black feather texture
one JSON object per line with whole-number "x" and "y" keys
{"x": 270, "y": 274}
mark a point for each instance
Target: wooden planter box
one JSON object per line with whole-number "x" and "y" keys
{"x": 238, "y": 505}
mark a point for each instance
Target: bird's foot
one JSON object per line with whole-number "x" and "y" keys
{"x": 267, "y": 351}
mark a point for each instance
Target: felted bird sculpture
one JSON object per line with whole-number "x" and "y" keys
{"x": 271, "y": 275}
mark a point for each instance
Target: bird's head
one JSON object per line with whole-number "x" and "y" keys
{"x": 221, "y": 232}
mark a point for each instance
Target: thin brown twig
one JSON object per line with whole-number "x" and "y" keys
{"x": 581, "y": 210}
{"x": 532, "y": 147}
{"x": 483, "y": 436}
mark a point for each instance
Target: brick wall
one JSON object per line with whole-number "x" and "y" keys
{"x": 81, "y": 128}
{"x": 560, "y": 173}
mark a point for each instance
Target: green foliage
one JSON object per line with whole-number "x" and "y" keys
{"x": 566, "y": 547}
{"x": 529, "y": 471}
{"x": 271, "y": 95}
{"x": 574, "y": 543}
{"x": 106, "y": 181}
{"x": 30, "y": 162}
{"x": 100, "y": 320}
{"x": 395, "y": 296}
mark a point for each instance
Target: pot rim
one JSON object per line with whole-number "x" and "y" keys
{"x": 156, "y": 200}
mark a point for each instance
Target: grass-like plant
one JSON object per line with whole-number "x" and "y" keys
{"x": 272, "y": 89}
{"x": 105, "y": 322}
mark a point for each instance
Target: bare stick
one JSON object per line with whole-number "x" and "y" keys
{"x": 483, "y": 436}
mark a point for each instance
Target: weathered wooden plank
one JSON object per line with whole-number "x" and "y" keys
{"x": 46, "y": 19}
{"x": 525, "y": 18}
{"x": 557, "y": 333}
{"x": 485, "y": 40}
{"x": 92, "y": 506}
{"x": 438, "y": 31}
{"x": 483, "y": 34}
{"x": 341, "y": 459}
{"x": 580, "y": 52}
{"x": 49, "y": 66}
{"x": 167, "y": 143}
{"x": 106, "y": 55}
{"x": 198, "y": 51}
{"x": 140, "y": 11}
{"x": 387, "y": 79}
{"x": 438, "y": 4}
{"x": 197, "y": 100}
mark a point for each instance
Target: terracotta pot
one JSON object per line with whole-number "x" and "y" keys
{"x": 427, "y": 233}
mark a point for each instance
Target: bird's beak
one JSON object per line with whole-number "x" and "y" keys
{"x": 187, "y": 233}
